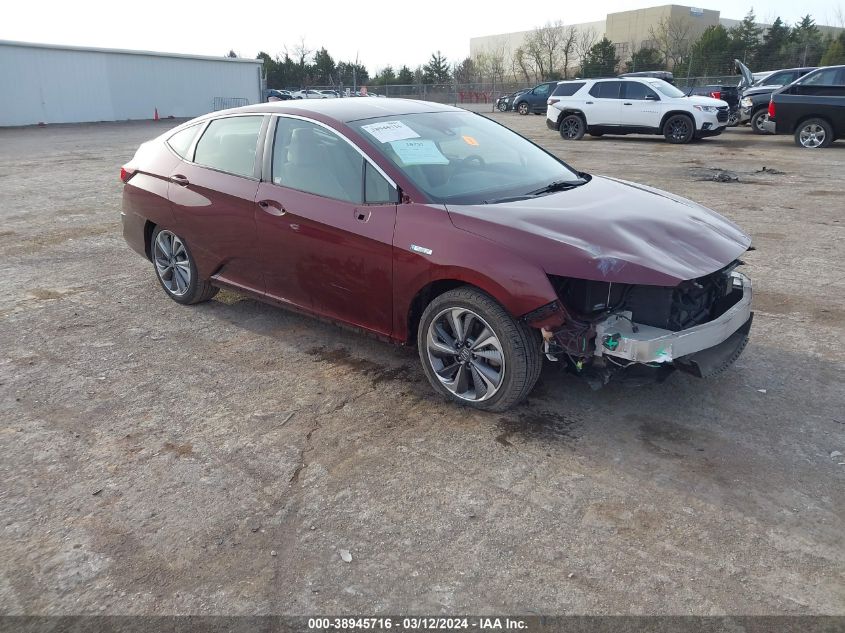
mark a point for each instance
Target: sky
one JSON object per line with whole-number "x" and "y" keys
{"x": 378, "y": 32}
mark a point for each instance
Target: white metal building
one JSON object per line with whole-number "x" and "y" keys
{"x": 43, "y": 83}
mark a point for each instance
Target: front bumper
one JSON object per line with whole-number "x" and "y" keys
{"x": 615, "y": 336}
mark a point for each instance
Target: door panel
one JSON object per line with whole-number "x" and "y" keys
{"x": 602, "y": 104}
{"x": 329, "y": 256}
{"x": 636, "y": 110}
{"x": 215, "y": 214}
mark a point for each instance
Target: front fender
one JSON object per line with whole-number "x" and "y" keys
{"x": 518, "y": 285}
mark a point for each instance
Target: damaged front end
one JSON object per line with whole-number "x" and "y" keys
{"x": 600, "y": 328}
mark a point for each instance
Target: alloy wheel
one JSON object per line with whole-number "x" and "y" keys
{"x": 570, "y": 128}
{"x": 812, "y": 135}
{"x": 465, "y": 354}
{"x": 760, "y": 121}
{"x": 172, "y": 263}
{"x": 679, "y": 129}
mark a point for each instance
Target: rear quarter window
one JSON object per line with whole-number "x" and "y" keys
{"x": 568, "y": 89}
{"x": 182, "y": 140}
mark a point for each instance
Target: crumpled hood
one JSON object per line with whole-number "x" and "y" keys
{"x": 759, "y": 90}
{"x": 610, "y": 230}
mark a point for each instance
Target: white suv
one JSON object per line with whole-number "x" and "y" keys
{"x": 633, "y": 105}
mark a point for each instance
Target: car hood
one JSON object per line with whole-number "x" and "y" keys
{"x": 758, "y": 90}
{"x": 704, "y": 101}
{"x": 610, "y": 230}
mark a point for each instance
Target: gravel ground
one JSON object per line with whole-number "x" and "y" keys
{"x": 158, "y": 459}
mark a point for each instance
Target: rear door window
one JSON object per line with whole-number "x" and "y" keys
{"x": 567, "y": 89}
{"x": 606, "y": 89}
{"x": 229, "y": 145}
{"x": 183, "y": 139}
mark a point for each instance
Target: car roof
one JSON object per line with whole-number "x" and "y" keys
{"x": 348, "y": 108}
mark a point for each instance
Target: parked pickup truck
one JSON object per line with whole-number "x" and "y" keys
{"x": 729, "y": 94}
{"x": 812, "y": 108}
{"x": 755, "y": 100}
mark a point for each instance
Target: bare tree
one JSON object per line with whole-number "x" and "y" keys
{"x": 672, "y": 36}
{"x": 543, "y": 44}
{"x": 523, "y": 64}
{"x": 585, "y": 41}
{"x": 567, "y": 47}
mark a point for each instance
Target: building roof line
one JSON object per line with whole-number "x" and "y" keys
{"x": 123, "y": 51}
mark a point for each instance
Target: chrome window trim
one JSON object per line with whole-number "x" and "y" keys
{"x": 204, "y": 126}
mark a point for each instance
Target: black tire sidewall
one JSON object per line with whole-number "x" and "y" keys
{"x": 516, "y": 360}
{"x": 581, "y": 130}
{"x": 522, "y": 108}
{"x": 194, "y": 287}
{"x": 756, "y": 117}
{"x": 668, "y": 136}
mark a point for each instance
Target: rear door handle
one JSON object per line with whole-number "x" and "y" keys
{"x": 180, "y": 180}
{"x": 627, "y": 103}
{"x": 589, "y": 102}
{"x": 272, "y": 207}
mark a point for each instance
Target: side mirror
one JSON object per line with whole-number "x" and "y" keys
{"x": 652, "y": 98}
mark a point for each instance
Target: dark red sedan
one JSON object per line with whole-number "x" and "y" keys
{"x": 427, "y": 224}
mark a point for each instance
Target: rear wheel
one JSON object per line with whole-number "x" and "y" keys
{"x": 572, "y": 128}
{"x": 474, "y": 353}
{"x": 522, "y": 108}
{"x": 679, "y": 129}
{"x": 758, "y": 120}
{"x": 176, "y": 270}
{"x": 814, "y": 134}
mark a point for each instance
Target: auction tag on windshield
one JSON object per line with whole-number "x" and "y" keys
{"x": 469, "y": 140}
{"x": 390, "y": 131}
{"x": 419, "y": 152}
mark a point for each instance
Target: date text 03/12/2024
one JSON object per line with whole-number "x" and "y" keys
{"x": 417, "y": 623}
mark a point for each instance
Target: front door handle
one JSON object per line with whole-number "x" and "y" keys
{"x": 180, "y": 180}
{"x": 272, "y": 207}
{"x": 589, "y": 102}
{"x": 627, "y": 103}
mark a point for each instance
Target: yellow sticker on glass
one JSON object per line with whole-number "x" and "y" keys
{"x": 470, "y": 141}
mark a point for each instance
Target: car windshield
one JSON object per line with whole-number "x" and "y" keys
{"x": 666, "y": 89}
{"x": 464, "y": 158}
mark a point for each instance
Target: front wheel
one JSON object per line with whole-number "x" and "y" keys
{"x": 758, "y": 121}
{"x": 522, "y": 108}
{"x": 502, "y": 107}
{"x": 176, "y": 270}
{"x": 814, "y": 134}
{"x": 679, "y": 129}
{"x": 733, "y": 119}
{"x": 474, "y": 353}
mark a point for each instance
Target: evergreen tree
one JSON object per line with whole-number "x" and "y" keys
{"x": 806, "y": 43}
{"x": 405, "y": 76}
{"x": 835, "y": 53}
{"x": 324, "y": 68}
{"x": 745, "y": 39}
{"x": 712, "y": 54}
{"x": 645, "y": 59}
{"x": 773, "y": 50}
{"x": 437, "y": 69}
{"x": 601, "y": 60}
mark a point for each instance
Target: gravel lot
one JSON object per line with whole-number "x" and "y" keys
{"x": 217, "y": 459}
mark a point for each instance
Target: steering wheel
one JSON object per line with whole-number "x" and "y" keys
{"x": 473, "y": 158}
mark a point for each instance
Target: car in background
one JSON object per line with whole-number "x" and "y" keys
{"x": 279, "y": 95}
{"x": 425, "y": 224}
{"x": 633, "y": 105}
{"x": 534, "y": 99}
{"x": 729, "y": 94}
{"x": 812, "y": 108}
{"x": 754, "y": 104}
{"x": 505, "y": 102}
{"x": 330, "y": 94}
{"x": 307, "y": 93}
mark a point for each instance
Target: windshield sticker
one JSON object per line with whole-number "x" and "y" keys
{"x": 390, "y": 131}
{"x": 421, "y": 152}
{"x": 470, "y": 141}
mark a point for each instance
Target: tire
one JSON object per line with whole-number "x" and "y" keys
{"x": 757, "y": 120}
{"x": 679, "y": 129}
{"x": 492, "y": 377}
{"x": 502, "y": 107}
{"x": 572, "y": 127}
{"x": 523, "y": 108}
{"x": 171, "y": 272}
{"x": 813, "y": 134}
{"x": 733, "y": 119}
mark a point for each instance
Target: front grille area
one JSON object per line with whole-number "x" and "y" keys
{"x": 675, "y": 308}
{"x": 723, "y": 114}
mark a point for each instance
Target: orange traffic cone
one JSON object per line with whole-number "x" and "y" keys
{"x": 155, "y": 117}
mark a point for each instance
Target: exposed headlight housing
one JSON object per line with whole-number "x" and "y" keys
{"x": 746, "y": 102}
{"x": 706, "y": 108}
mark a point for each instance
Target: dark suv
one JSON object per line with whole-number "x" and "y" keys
{"x": 534, "y": 100}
